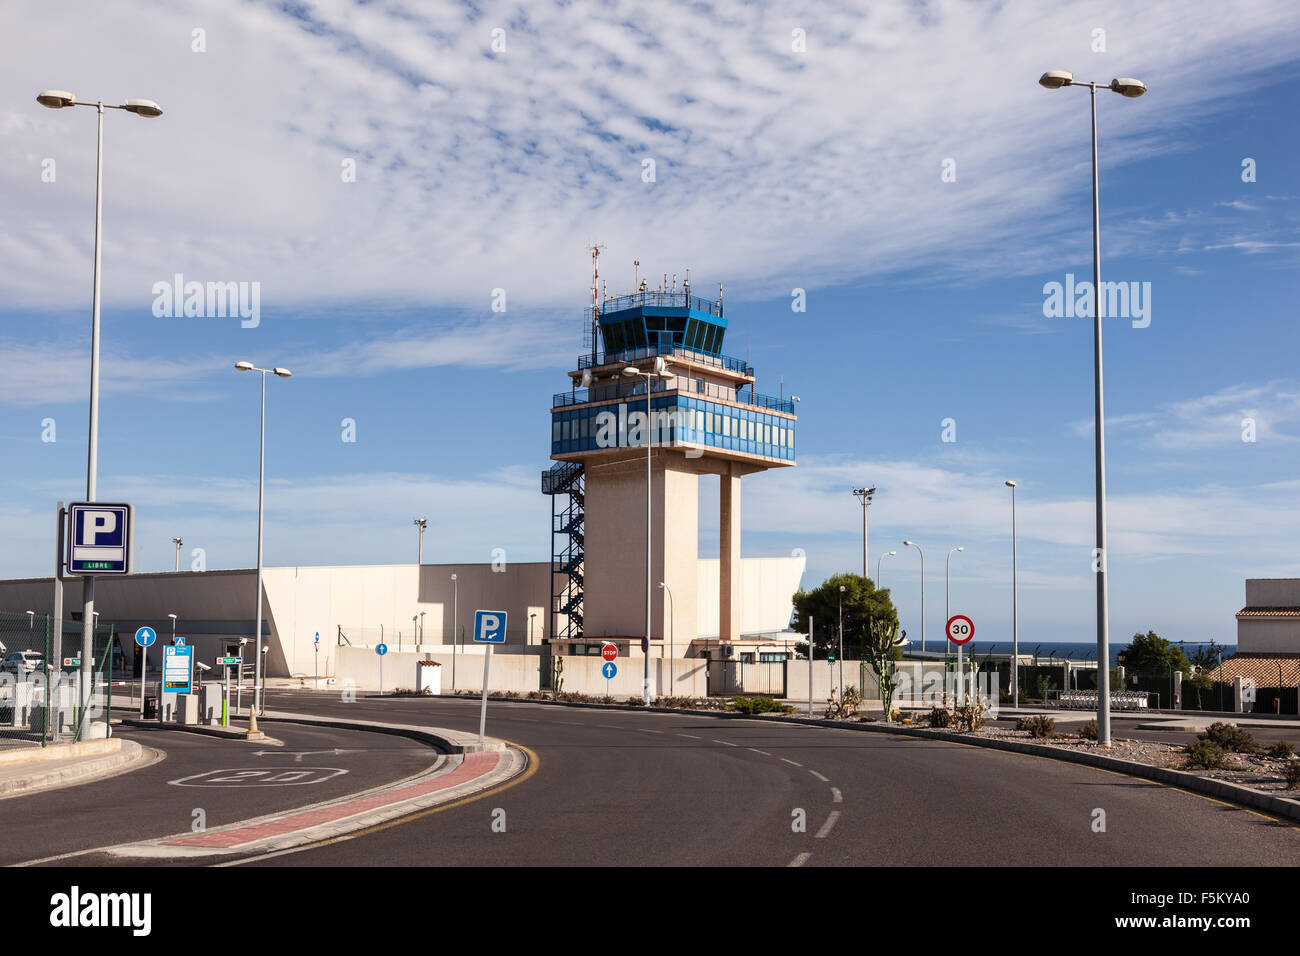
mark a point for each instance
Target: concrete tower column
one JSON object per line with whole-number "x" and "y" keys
{"x": 729, "y": 583}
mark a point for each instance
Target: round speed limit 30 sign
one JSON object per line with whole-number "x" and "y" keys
{"x": 960, "y": 629}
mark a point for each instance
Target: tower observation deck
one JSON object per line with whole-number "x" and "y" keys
{"x": 705, "y": 418}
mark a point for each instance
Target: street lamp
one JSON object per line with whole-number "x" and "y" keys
{"x": 1015, "y": 608}
{"x": 55, "y": 100}
{"x": 178, "y": 542}
{"x": 864, "y": 495}
{"x": 31, "y": 619}
{"x": 660, "y": 372}
{"x": 261, "y": 481}
{"x": 878, "y": 560}
{"x": 421, "y": 523}
{"x": 455, "y": 623}
{"x": 842, "y": 589}
{"x": 1131, "y": 88}
{"x": 913, "y": 544}
{"x": 672, "y": 634}
{"x": 531, "y": 618}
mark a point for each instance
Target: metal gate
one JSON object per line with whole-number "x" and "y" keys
{"x": 730, "y": 678}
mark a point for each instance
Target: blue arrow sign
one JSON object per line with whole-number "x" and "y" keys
{"x": 145, "y": 636}
{"x": 381, "y": 649}
{"x": 609, "y": 670}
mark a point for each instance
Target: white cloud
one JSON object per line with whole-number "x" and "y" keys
{"x": 478, "y": 170}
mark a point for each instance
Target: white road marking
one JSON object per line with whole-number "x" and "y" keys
{"x": 791, "y": 762}
{"x": 820, "y": 777}
{"x": 725, "y": 743}
{"x": 836, "y": 796}
{"x": 692, "y": 736}
{"x": 800, "y": 860}
{"x": 826, "y": 827}
{"x": 757, "y": 751}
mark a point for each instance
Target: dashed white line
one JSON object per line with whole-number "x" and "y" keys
{"x": 791, "y": 762}
{"x": 820, "y": 777}
{"x": 725, "y": 743}
{"x": 692, "y": 736}
{"x": 800, "y": 860}
{"x": 757, "y": 751}
{"x": 836, "y": 796}
{"x": 826, "y": 827}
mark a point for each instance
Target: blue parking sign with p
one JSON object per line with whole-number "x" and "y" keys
{"x": 489, "y": 627}
{"x": 100, "y": 537}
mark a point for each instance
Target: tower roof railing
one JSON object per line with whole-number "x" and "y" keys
{"x": 663, "y": 300}
{"x": 727, "y": 362}
{"x": 741, "y": 396}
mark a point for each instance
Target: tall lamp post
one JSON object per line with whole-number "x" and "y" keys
{"x": 672, "y": 635}
{"x": 455, "y": 625}
{"x": 887, "y": 554}
{"x": 261, "y": 482}
{"x": 1131, "y": 88}
{"x": 842, "y": 589}
{"x": 421, "y": 523}
{"x": 660, "y": 372}
{"x": 913, "y": 544}
{"x": 1015, "y": 610}
{"x": 56, "y": 100}
{"x": 178, "y": 542}
{"x": 864, "y": 495}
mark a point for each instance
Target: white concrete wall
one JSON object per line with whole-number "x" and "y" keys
{"x": 768, "y": 584}
{"x": 1268, "y": 636}
{"x": 1273, "y": 592}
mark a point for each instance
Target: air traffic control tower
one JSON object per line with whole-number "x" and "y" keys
{"x": 706, "y": 419}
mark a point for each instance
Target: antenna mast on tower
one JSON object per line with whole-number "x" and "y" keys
{"x": 595, "y": 248}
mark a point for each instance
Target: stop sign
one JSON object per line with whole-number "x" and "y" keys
{"x": 960, "y": 629}
{"x": 609, "y": 652}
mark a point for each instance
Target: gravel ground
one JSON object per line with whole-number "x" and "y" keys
{"x": 1257, "y": 771}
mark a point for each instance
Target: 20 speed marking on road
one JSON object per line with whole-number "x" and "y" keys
{"x": 280, "y": 777}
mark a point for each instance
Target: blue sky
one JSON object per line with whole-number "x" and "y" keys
{"x": 775, "y": 169}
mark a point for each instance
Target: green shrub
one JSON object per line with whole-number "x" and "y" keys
{"x": 1205, "y": 754}
{"x": 1281, "y": 749}
{"x": 1089, "y": 730}
{"x": 1037, "y": 725}
{"x": 1292, "y": 773}
{"x": 1230, "y": 738}
{"x": 940, "y": 717}
{"x": 760, "y": 705}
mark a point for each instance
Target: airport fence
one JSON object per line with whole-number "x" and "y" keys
{"x": 40, "y": 680}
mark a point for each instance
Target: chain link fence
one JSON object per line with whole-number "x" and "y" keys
{"x": 40, "y": 698}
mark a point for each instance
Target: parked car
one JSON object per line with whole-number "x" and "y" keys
{"x": 22, "y": 663}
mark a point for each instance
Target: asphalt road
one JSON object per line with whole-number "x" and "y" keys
{"x": 626, "y": 788}
{"x": 228, "y": 780}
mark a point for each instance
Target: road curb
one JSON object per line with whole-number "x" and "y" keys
{"x": 207, "y": 730}
{"x": 448, "y": 741}
{"x": 110, "y": 761}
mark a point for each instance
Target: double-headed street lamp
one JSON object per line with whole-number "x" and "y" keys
{"x": 913, "y": 544}
{"x": 660, "y": 372}
{"x": 422, "y": 524}
{"x": 178, "y": 542}
{"x": 57, "y": 100}
{"x": 1131, "y": 88}
{"x": 261, "y": 481}
{"x": 864, "y": 494}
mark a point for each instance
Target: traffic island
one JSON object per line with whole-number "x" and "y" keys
{"x": 27, "y": 770}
